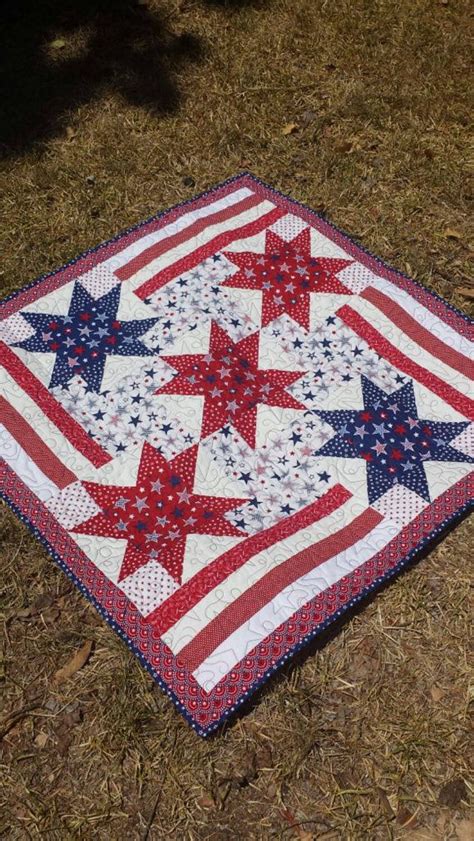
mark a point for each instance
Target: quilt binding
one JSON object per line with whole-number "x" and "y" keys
{"x": 415, "y": 554}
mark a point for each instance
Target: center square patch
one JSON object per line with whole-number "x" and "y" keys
{"x": 228, "y": 425}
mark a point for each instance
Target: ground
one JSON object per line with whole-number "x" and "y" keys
{"x": 114, "y": 110}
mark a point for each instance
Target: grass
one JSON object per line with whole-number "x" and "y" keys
{"x": 138, "y": 108}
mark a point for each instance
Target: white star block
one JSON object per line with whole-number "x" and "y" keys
{"x": 72, "y": 505}
{"x": 465, "y": 441}
{"x": 400, "y": 504}
{"x": 15, "y": 329}
{"x": 98, "y": 281}
{"x": 288, "y": 227}
{"x": 443, "y": 475}
{"x": 201, "y": 549}
{"x": 148, "y": 587}
{"x": 54, "y": 303}
{"x": 106, "y": 553}
{"x": 357, "y": 277}
{"x": 40, "y": 364}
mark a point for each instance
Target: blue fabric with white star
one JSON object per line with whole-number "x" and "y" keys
{"x": 392, "y": 439}
{"x": 82, "y": 339}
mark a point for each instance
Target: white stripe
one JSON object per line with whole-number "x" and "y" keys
{"x": 50, "y": 434}
{"x": 25, "y": 467}
{"x": 212, "y": 604}
{"x": 291, "y": 599}
{"x": 175, "y": 254}
{"x": 426, "y": 318}
{"x": 410, "y": 348}
{"x": 184, "y": 221}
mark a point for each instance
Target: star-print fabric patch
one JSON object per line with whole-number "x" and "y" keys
{"x": 227, "y": 426}
{"x": 81, "y": 339}
{"x": 393, "y": 441}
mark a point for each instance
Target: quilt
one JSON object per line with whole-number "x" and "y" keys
{"x": 227, "y": 426}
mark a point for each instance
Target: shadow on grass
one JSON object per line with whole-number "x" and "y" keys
{"x": 235, "y": 4}
{"x": 60, "y": 54}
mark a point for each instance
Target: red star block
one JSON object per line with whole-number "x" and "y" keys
{"x": 286, "y": 274}
{"x": 231, "y": 383}
{"x": 157, "y": 513}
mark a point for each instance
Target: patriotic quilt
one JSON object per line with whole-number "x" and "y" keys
{"x": 227, "y": 426}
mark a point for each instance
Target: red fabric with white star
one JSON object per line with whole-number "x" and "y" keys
{"x": 158, "y": 511}
{"x": 231, "y": 383}
{"x": 286, "y": 274}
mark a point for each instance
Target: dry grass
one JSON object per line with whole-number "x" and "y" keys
{"x": 367, "y": 738}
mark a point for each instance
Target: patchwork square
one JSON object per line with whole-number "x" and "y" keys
{"x": 228, "y": 426}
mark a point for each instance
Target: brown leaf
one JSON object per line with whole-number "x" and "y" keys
{"x": 239, "y": 771}
{"x": 465, "y": 291}
{"x": 465, "y": 830}
{"x": 72, "y": 718}
{"x": 304, "y": 834}
{"x": 43, "y": 601}
{"x": 436, "y": 693}
{"x": 385, "y": 804}
{"x": 64, "y": 740}
{"x": 245, "y": 771}
{"x": 298, "y": 826}
{"x": 206, "y": 801}
{"x": 453, "y": 792}
{"x": 79, "y": 660}
{"x": 452, "y": 233}
{"x": 345, "y": 146}
{"x": 290, "y": 128}
{"x": 41, "y": 740}
{"x": 405, "y": 818}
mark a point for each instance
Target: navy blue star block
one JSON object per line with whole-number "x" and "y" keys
{"x": 392, "y": 439}
{"x": 82, "y": 339}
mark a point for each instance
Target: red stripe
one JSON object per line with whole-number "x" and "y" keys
{"x": 32, "y": 444}
{"x": 418, "y": 333}
{"x": 52, "y": 409}
{"x": 137, "y": 630}
{"x": 159, "y": 248}
{"x": 105, "y": 250}
{"x": 382, "y": 346}
{"x": 423, "y": 296}
{"x": 216, "y": 244}
{"x": 262, "y": 592}
{"x": 192, "y": 591}
{"x": 294, "y": 630}
{"x": 83, "y": 263}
